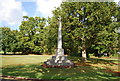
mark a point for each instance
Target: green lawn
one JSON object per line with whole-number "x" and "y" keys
{"x": 84, "y": 73}
{"x": 22, "y": 59}
{"x": 30, "y": 67}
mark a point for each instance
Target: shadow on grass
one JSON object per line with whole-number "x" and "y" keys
{"x": 81, "y": 73}
{"x": 102, "y": 61}
{"x": 94, "y": 61}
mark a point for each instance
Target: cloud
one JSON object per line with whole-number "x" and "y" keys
{"x": 25, "y": 13}
{"x": 45, "y": 7}
{"x": 11, "y": 12}
{"x": 116, "y": 0}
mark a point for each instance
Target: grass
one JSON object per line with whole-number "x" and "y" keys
{"x": 30, "y": 67}
{"x": 2, "y": 52}
{"x": 22, "y": 59}
{"x": 111, "y": 63}
{"x": 85, "y": 73}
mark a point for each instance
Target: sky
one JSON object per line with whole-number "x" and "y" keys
{"x": 12, "y": 11}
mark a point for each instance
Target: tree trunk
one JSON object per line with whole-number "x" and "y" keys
{"x": 83, "y": 53}
{"x": 14, "y": 53}
{"x": 83, "y": 50}
{"x": 4, "y": 52}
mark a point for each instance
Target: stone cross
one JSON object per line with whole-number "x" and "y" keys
{"x": 60, "y": 34}
{"x": 59, "y": 59}
{"x": 60, "y": 51}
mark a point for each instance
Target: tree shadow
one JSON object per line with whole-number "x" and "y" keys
{"x": 79, "y": 73}
{"x": 102, "y": 61}
{"x": 94, "y": 61}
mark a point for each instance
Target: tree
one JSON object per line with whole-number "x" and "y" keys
{"x": 14, "y": 45}
{"x": 31, "y": 31}
{"x": 84, "y": 24}
{"x": 51, "y": 35}
{"x": 118, "y": 29}
{"x": 5, "y": 39}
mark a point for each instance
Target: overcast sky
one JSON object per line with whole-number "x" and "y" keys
{"x": 11, "y": 11}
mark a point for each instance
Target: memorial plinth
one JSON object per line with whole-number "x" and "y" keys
{"x": 59, "y": 60}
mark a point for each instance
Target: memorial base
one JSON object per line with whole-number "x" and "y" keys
{"x": 59, "y": 60}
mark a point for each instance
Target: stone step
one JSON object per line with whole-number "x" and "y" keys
{"x": 59, "y": 57}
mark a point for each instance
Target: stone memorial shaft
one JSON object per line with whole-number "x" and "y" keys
{"x": 60, "y": 51}
{"x": 59, "y": 59}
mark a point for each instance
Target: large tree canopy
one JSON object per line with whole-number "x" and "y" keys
{"x": 87, "y": 25}
{"x": 5, "y": 39}
{"x": 31, "y": 34}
